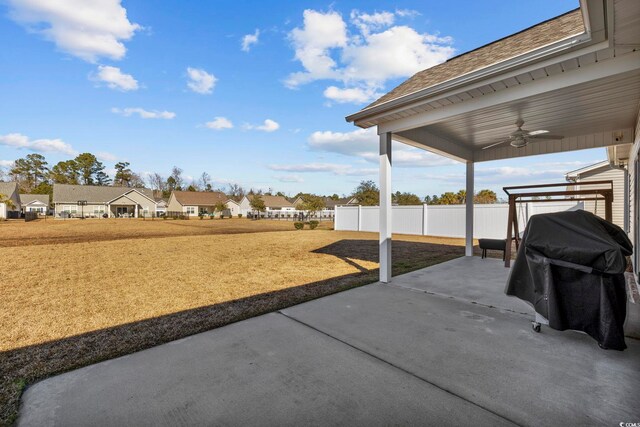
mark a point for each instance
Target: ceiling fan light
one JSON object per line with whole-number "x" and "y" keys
{"x": 518, "y": 142}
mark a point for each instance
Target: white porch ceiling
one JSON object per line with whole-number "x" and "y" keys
{"x": 627, "y": 23}
{"x": 598, "y": 106}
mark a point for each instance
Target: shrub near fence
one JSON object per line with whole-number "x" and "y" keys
{"x": 294, "y": 215}
{"x": 30, "y": 216}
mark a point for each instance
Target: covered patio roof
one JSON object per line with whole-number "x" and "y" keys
{"x": 583, "y": 86}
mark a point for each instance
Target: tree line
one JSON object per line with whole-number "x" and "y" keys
{"x": 368, "y": 194}
{"x": 35, "y": 175}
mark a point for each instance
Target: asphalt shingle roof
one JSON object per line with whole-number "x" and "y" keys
{"x": 28, "y": 198}
{"x": 200, "y": 198}
{"x": 532, "y": 38}
{"x": 65, "y": 193}
{"x": 274, "y": 201}
{"x": 8, "y": 188}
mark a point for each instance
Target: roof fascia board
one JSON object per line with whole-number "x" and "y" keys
{"x": 460, "y": 87}
{"x": 578, "y": 172}
{"x": 424, "y": 140}
{"x": 120, "y": 197}
{"x": 579, "y": 44}
{"x": 35, "y": 202}
{"x": 619, "y": 65}
{"x": 127, "y": 192}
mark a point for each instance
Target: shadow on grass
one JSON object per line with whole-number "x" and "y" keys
{"x": 23, "y": 366}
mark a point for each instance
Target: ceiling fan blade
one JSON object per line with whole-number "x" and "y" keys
{"x": 545, "y": 136}
{"x": 497, "y": 143}
{"x": 537, "y": 132}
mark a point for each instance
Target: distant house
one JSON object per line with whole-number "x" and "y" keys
{"x": 194, "y": 203}
{"x": 330, "y": 203}
{"x": 603, "y": 171}
{"x": 92, "y": 201}
{"x": 272, "y": 203}
{"x": 34, "y": 203}
{"x": 9, "y": 190}
{"x": 234, "y": 207}
{"x": 344, "y": 201}
{"x": 161, "y": 206}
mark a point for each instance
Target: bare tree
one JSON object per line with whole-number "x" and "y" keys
{"x": 157, "y": 182}
{"x": 205, "y": 182}
{"x": 176, "y": 175}
{"x": 136, "y": 180}
{"x": 236, "y": 192}
{"x": 3, "y": 174}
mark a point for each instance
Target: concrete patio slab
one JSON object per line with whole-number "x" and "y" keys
{"x": 419, "y": 351}
{"x": 485, "y": 355}
{"x": 470, "y": 279}
{"x": 269, "y": 370}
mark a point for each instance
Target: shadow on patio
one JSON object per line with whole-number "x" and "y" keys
{"x": 397, "y": 353}
{"x": 29, "y": 364}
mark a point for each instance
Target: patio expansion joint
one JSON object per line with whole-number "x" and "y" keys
{"x": 422, "y": 291}
{"x": 396, "y": 367}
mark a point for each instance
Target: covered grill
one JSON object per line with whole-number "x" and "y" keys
{"x": 570, "y": 267}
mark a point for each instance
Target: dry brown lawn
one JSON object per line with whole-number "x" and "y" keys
{"x": 77, "y": 292}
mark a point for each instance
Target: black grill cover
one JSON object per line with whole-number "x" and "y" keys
{"x": 570, "y": 267}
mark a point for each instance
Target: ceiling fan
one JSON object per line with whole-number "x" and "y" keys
{"x": 521, "y": 137}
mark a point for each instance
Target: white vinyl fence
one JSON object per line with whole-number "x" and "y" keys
{"x": 489, "y": 221}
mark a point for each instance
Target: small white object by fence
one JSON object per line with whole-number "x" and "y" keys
{"x": 489, "y": 221}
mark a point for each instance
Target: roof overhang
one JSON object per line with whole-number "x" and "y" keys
{"x": 133, "y": 190}
{"x": 575, "y": 174}
{"x": 35, "y": 202}
{"x": 585, "y": 88}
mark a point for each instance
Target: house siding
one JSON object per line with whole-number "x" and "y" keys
{"x": 174, "y": 205}
{"x": 13, "y": 196}
{"x": 634, "y": 194}
{"x": 245, "y": 206}
{"x": 619, "y": 197}
{"x": 92, "y": 208}
{"x": 234, "y": 207}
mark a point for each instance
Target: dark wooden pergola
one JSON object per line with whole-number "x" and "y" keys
{"x": 519, "y": 194}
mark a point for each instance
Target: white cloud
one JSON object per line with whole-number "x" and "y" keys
{"x": 368, "y": 22}
{"x": 19, "y": 141}
{"x": 396, "y": 52}
{"x": 144, "y": 114}
{"x": 268, "y": 126}
{"x": 334, "y": 168}
{"x": 87, "y": 29}
{"x": 534, "y": 173}
{"x": 409, "y": 13}
{"x": 200, "y": 81}
{"x": 355, "y": 95}
{"x": 219, "y": 123}
{"x": 250, "y": 39}
{"x": 364, "y": 143}
{"x": 365, "y": 58}
{"x": 312, "y": 43}
{"x": 106, "y": 157}
{"x": 289, "y": 178}
{"x": 115, "y": 79}
{"x": 6, "y": 163}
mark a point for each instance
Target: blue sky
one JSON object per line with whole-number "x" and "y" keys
{"x": 252, "y": 92}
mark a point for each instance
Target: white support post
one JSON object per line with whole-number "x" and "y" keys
{"x": 469, "y": 211}
{"x": 135, "y": 215}
{"x": 385, "y": 207}
{"x": 359, "y": 218}
{"x": 108, "y": 211}
{"x": 425, "y": 210}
